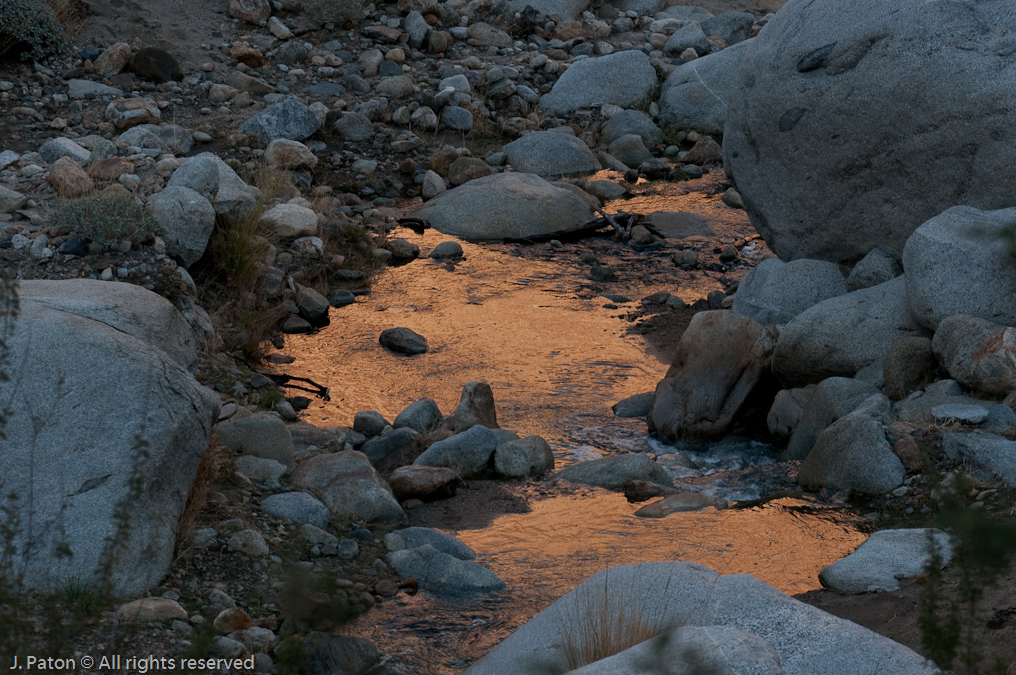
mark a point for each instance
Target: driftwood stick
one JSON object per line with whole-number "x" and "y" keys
{"x": 283, "y": 380}
{"x": 610, "y": 219}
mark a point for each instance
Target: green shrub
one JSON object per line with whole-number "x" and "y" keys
{"x": 31, "y": 26}
{"x": 104, "y": 221}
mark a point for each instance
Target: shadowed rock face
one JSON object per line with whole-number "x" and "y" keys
{"x": 822, "y": 174}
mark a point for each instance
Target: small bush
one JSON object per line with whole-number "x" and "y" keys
{"x": 104, "y": 221}
{"x": 29, "y": 25}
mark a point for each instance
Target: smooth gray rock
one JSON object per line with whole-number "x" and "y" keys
{"x": 875, "y": 268}
{"x": 187, "y": 220}
{"x": 403, "y": 341}
{"x": 731, "y": 27}
{"x": 420, "y": 415}
{"x": 379, "y": 447}
{"x": 259, "y": 470}
{"x": 613, "y": 472}
{"x": 551, "y": 155}
{"x": 504, "y": 205}
{"x": 807, "y": 640}
{"x": 977, "y": 353}
{"x": 853, "y": 454}
{"x": 417, "y": 27}
{"x": 369, "y": 422}
{"x": 74, "y": 471}
{"x": 82, "y": 88}
{"x": 886, "y": 557}
{"x": 908, "y": 366}
{"x": 261, "y": 435}
{"x": 1001, "y": 419}
{"x": 476, "y": 406}
{"x": 466, "y": 453}
{"x": 354, "y": 127}
{"x": 442, "y": 574}
{"x": 696, "y": 94}
{"x": 961, "y": 264}
{"x": 774, "y": 292}
{"x": 624, "y": 79}
{"x": 11, "y": 200}
{"x": 690, "y": 36}
{"x": 961, "y": 412}
{"x": 788, "y": 409}
{"x": 288, "y": 119}
{"x": 350, "y": 488}
{"x": 456, "y": 118}
{"x": 297, "y": 507}
{"x": 631, "y": 150}
{"x": 871, "y": 185}
{"x": 993, "y": 452}
{"x": 55, "y": 148}
{"x": 917, "y": 410}
{"x": 692, "y": 650}
{"x": 631, "y": 122}
{"x": 842, "y": 335}
{"x": 327, "y": 654}
{"x": 720, "y": 359}
{"x": 233, "y": 197}
{"x": 529, "y": 456}
{"x": 414, "y": 537}
{"x": 634, "y": 406}
{"x": 200, "y": 174}
{"x": 832, "y": 399}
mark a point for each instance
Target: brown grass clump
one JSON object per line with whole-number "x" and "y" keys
{"x": 210, "y": 473}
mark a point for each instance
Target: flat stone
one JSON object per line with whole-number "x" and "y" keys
{"x": 886, "y": 557}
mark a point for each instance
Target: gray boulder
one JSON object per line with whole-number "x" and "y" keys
{"x": 692, "y": 650}
{"x": 631, "y": 122}
{"x": 550, "y": 154}
{"x": 788, "y": 409}
{"x": 720, "y": 359}
{"x": 637, "y": 405}
{"x": 442, "y": 574}
{"x": 918, "y": 409}
{"x": 421, "y": 482}
{"x": 631, "y": 150}
{"x": 76, "y": 470}
{"x": 853, "y": 454}
{"x": 961, "y": 264}
{"x": 886, "y": 557}
{"x": 807, "y": 640}
{"x": 420, "y": 415}
{"x": 875, "y": 268}
{"x": 842, "y": 335}
{"x": 354, "y": 127}
{"x": 832, "y": 399}
{"x": 11, "y": 200}
{"x": 731, "y": 27}
{"x": 529, "y": 456}
{"x": 233, "y": 197}
{"x": 977, "y": 353}
{"x": 640, "y": 7}
{"x": 872, "y": 184}
{"x": 467, "y": 453}
{"x": 297, "y": 507}
{"x": 414, "y": 537}
{"x": 990, "y": 451}
{"x": 504, "y": 205}
{"x": 287, "y": 119}
{"x": 696, "y": 94}
{"x": 476, "y": 406}
{"x": 369, "y": 422}
{"x": 327, "y": 654}
{"x": 689, "y": 36}
{"x": 1001, "y": 420}
{"x": 55, "y": 148}
{"x": 200, "y": 174}
{"x": 614, "y": 472}
{"x": 187, "y": 220}
{"x": 624, "y": 79}
{"x": 403, "y": 341}
{"x": 262, "y": 435}
{"x": 395, "y": 441}
{"x": 908, "y": 366}
{"x": 350, "y": 488}
{"x": 774, "y": 292}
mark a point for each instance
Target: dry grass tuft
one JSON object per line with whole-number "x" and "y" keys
{"x": 210, "y": 473}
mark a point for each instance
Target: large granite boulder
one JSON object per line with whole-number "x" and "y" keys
{"x": 350, "y": 488}
{"x": 551, "y": 154}
{"x": 505, "y": 205}
{"x": 774, "y": 292}
{"x": 842, "y": 335}
{"x": 960, "y": 262}
{"x": 624, "y": 79}
{"x": 888, "y": 556}
{"x": 696, "y": 94}
{"x": 720, "y": 359}
{"x": 99, "y": 396}
{"x": 807, "y": 640}
{"x": 822, "y": 175}
{"x": 977, "y": 353}
{"x": 832, "y": 399}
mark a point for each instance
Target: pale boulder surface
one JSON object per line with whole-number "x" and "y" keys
{"x": 624, "y": 79}
{"x": 696, "y": 94}
{"x": 774, "y": 292}
{"x": 807, "y": 640}
{"x": 69, "y": 336}
{"x": 504, "y": 205}
{"x": 888, "y": 556}
{"x": 816, "y": 73}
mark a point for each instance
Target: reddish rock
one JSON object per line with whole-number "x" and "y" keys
{"x": 110, "y": 169}
{"x": 408, "y": 482}
{"x": 909, "y": 453}
{"x": 148, "y": 610}
{"x": 251, "y": 11}
{"x": 287, "y": 154}
{"x": 69, "y": 179}
{"x": 230, "y": 620}
{"x": 248, "y": 56}
{"x": 112, "y": 61}
{"x": 465, "y": 169}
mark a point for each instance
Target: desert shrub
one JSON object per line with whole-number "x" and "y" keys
{"x": 334, "y": 11}
{"x": 31, "y": 26}
{"x": 104, "y": 221}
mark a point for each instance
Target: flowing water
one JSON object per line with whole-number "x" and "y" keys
{"x": 558, "y": 354}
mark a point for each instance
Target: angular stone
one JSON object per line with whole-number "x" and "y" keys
{"x": 350, "y": 487}
{"x": 287, "y": 154}
{"x": 444, "y": 574}
{"x": 297, "y": 507}
{"x": 467, "y": 453}
{"x": 288, "y": 119}
{"x": 187, "y": 220}
{"x": 774, "y": 292}
{"x": 529, "y": 456}
{"x": 886, "y": 557}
